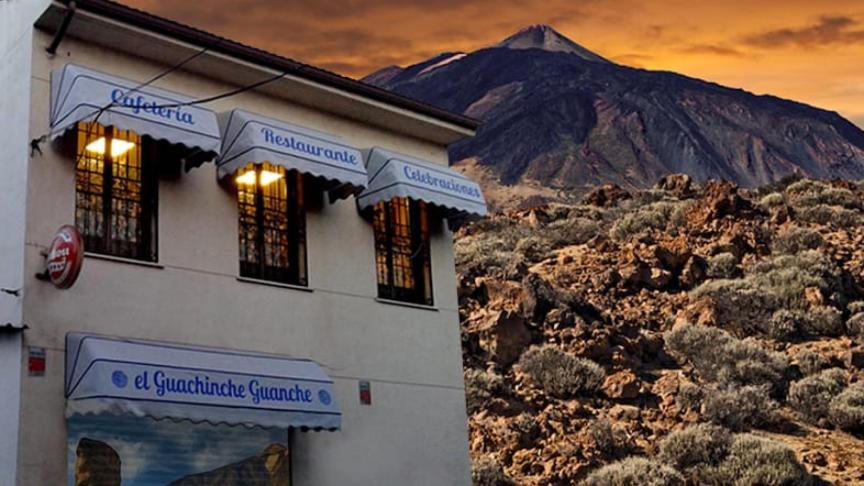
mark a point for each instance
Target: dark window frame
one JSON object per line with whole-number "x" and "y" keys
{"x": 261, "y": 242}
{"x": 394, "y": 246}
{"x": 124, "y": 221}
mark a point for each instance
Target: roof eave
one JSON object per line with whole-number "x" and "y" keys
{"x": 340, "y": 95}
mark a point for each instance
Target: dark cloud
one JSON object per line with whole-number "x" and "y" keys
{"x": 828, "y": 30}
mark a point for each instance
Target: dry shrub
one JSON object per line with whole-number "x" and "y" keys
{"x": 829, "y": 215}
{"x": 823, "y": 320}
{"x": 855, "y": 307}
{"x": 657, "y": 216}
{"x": 846, "y": 410}
{"x": 486, "y": 471}
{"x": 720, "y": 358}
{"x": 480, "y": 387}
{"x": 560, "y": 374}
{"x": 855, "y": 325}
{"x": 796, "y": 240}
{"x": 607, "y": 438}
{"x": 772, "y": 200}
{"x": 690, "y": 396}
{"x": 635, "y": 471}
{"x": 745, "y": 305}
{"x": 755, "y": 461}
{"x": 723, "y": 265}
{"x": 809, "y": 193}
{"x": 490, "y": 244}
{"x": 695, "y": 448}
{"x": 534, "y": 248}
{"x": 810, "y": 362}
{"x": 784, "y": 324}
{"x": 740, "y": 408}
{"x": 810, "y": 396}
{"x": 575, "y": 230}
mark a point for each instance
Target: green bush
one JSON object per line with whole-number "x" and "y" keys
{"x": 693, "y": 449}
{"x": 486, "y": 471}
{"x": 723, "y": 265}
{"x": 635, "y": 471}
{"x": 846, "y": 410}
{"x": 810, "y": 396}
{"x": 480, "y": 387}
{"x": 560, "y": 374}
{"x": 810, "y": 362}
{"x": 740, "y": 408}
{"x": 720, "y": 358}
{"x": 797, "y": 240}
{"x": 755, "y": 461}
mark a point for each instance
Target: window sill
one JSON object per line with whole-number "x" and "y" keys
{"x": 406, "y": 304}
{"x": 129, "y": 261}
{"x": 274, "y": 284}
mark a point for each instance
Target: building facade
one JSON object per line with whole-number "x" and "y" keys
{"x": 268, "y": 287}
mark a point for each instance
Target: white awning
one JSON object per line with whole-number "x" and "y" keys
{"x": 248, "y": 137}
{"x": 393, "y": 174}
{"x": 79, "y": 93}
{"x": 164, "y": 380}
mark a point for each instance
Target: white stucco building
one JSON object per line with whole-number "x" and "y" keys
{"x": 268, "y": 288}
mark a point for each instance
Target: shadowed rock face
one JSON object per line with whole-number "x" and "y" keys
{"x": 270, "y": 468}
{"x": 554, "y": 114}
{"x": 97, "y": 464}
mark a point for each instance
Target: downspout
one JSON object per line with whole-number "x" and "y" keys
{"x": 61, "y": 31}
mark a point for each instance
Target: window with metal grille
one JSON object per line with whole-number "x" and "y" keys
{"x": 272, "y": 224}
{"x": 115, "y": 192}
{"x": 402, "y": 258}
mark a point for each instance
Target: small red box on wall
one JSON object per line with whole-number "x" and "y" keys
{"x": 365, "y": 393}
{"x": 36, "y": 361}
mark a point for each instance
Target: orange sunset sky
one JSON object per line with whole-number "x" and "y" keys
{"x": 810, "y": 51}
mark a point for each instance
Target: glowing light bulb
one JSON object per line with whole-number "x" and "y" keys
{"x": 246, "y": 178}
{"x": 118, "y": 147}
{"x": 267, "y": 177}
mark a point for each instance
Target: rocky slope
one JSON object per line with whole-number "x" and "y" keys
{"x": 611, "y": 329}
{"x": 563, "y": 119}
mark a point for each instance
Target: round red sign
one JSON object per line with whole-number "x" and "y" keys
{"x": 65, "y": 256}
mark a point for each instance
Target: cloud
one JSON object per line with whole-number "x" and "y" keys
{"x": 631, "y": 59}
{"x": 714, "y": 49}
{"x": 828, "y": 30}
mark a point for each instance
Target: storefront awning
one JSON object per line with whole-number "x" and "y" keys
{"x": 396, "y": 175}
{"x": 164, "y": 380}
{"x": 250, "y": 138}
{"x": 80, "y": 94}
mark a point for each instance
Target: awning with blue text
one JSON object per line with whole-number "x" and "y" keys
{"x": 251, "y": 138}
{"x": 393, "y": 174}
{"x": 176, "y": 381}
{"x": 80, "y": 94}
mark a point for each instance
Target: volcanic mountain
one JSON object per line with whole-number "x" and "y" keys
{"x": 560, "y": 118}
